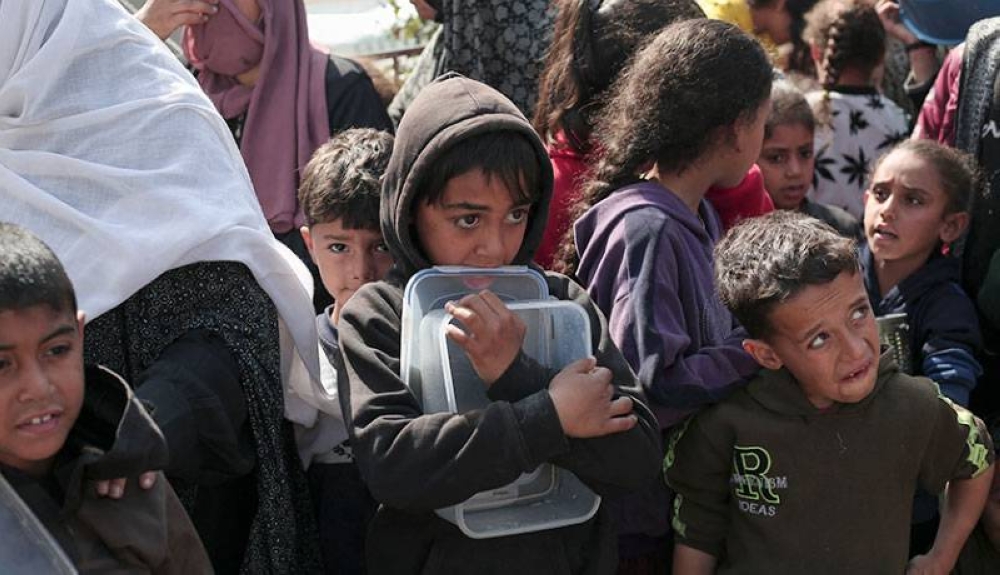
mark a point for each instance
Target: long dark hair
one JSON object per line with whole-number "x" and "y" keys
{"x": 592, "y": 41}
{"x": 800, "y": 60}
{"x": 693, "y": 78}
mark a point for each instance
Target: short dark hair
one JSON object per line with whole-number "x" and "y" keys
{"x": 505, "y": 154}
{"x": 343, "y": 179}
{"x": 31, "y": 274}
{"x": 788, "y": 107}
{"x": 764, "y": 261}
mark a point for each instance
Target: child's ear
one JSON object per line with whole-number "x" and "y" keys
{"x": 953, "y": 226}
{"x": 81, "y": 320}
{"x": 308, "y": 240}
{"x": 763, "y": 353}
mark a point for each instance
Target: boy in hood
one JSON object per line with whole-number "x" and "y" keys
{"x": 63, "y": 425}
{"x": 469, "y": 184}
{"x": 813, "y": 466}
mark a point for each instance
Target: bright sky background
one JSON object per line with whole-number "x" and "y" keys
{"x": 353, "y": 26}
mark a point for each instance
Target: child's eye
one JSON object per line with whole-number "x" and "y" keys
{"x": 58, "y": 350}
{"x": 774, "y": 158}
{"x": 382, "y": 248}
{"x": 860, "y": 313}
{"x": 806, "y": 153}
{"x": 818, "y": 341}
{"x": 4, "y": 363}
{"x": 914, "y": 200}
{"x": 880, "y": 194}
{"x": 467, "y": 222}
{"x": 517, "y": 215}
{"x": 338, "y": 248}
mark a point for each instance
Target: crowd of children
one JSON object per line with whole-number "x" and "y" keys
{"x": 739, "y": 412}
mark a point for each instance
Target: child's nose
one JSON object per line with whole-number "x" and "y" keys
{"x": 794, "y": 167}
{"x": 364, "y": 268}
{"x": 35, "y": 382}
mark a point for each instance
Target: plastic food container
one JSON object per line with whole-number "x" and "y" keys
{"x": 558, "y": 333}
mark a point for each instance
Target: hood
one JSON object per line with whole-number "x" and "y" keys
{"x": 113, "y": 436}
{"x": 594, "y": 229}
{"x": 447, "y": 111}
{"x": 938, "y": 270}
{"x": 778, "y": 391}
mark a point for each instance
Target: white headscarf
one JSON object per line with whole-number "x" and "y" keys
{"x": 112, "y": 154}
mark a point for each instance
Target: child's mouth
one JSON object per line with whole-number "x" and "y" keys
{"x": 41, "y": 423}
{"x": 855, "y": 375}
{"x": 478, "y": 283}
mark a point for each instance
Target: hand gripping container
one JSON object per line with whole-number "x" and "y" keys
{"x": 440, "y": 374}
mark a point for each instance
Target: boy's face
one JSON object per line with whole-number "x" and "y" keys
{"x": 476, "y": 223}
{"x": 347, "y": 258}
{"x": 827, "y": 338}
{"x": 41, "y": 384}
{"x": 786, "y": 162}
{"x": 905, "y": 207}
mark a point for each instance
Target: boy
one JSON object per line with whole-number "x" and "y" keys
{"x": 339, "y": 196}
{"x": 64, "y": 425}
{"x": 469, "y": 184}
{"x": 813, "y": 467}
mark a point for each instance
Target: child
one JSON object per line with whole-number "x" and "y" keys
{"x": 856, "y": 122}
{"x": 915, "y": 207}
{"x": 469, "y": 184}
{"x": 917, "y": 204}
{"x": 786, "y": 159}
{"x": 592, "y": 42}
{"x": 777, "y": 23}
{"x": 689, "y": 111}
{"x": 813, "y": 466}
{"x": 340, "y": 200}
{"x": 65, "y": 425}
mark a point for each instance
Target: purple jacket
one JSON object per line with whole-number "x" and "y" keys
{"x": 647, "y": 261}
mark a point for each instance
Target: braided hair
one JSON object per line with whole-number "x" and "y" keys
{"x": 668, "y": 106}
{"x": 850, "y": 34}
{"x": 592, "y": 41}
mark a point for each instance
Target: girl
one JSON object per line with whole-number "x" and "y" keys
{"x": 786, "y": 159}
{"x": 856, "y": 122}
{"x": 591, "y": 44}
{"x": 687, "y": 114}
{"x": 778, "y": 23}
{"x": 915, "y": 206}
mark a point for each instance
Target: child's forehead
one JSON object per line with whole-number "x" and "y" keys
{"x": 815, "y": 303}
{"x": 16, "y": 321}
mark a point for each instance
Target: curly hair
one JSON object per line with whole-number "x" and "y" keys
{"x": 592, "y": 40}
{"x": 849, "y": 33}
{"x": 762, "y": 262}
{"x": 694, "y": 78}
{"x": 343, "y": 179}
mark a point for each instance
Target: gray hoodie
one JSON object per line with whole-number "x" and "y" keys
{"x": 415, "y": 462}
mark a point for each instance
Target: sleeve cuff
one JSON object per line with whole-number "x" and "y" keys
{"x": 541, "y": 433}
{"x": 524, "y": 376}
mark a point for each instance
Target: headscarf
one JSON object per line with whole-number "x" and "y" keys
{"x": 110, "y": 152}
{"x": 286, "y": 111}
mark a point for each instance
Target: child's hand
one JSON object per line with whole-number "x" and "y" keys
{"x": 582, "y": 394}
{"x": 493, "y": 334}
{"x": 115, "y": 488}
{"x": 888, "y": 13}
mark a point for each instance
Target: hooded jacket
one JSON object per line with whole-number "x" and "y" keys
{"x": 768, "y": 483}
{"x": 415, "y": 462}
{"x": 944, "y": 326}
{"x": 147, "y": 531}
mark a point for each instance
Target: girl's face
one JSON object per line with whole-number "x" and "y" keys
{"x": 773, "y": 20}
{"x": 786, "y": 162}
{"x": 905, "y": 211}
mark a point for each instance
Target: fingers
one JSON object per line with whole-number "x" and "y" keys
{"x": 621, "y": 406}
{"x": 584, "y": 365}
{"x": 112, "y": 488}
{"x": 147, "y": 480}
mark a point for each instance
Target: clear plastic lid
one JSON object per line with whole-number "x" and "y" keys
{"x": 431, "y": 288}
